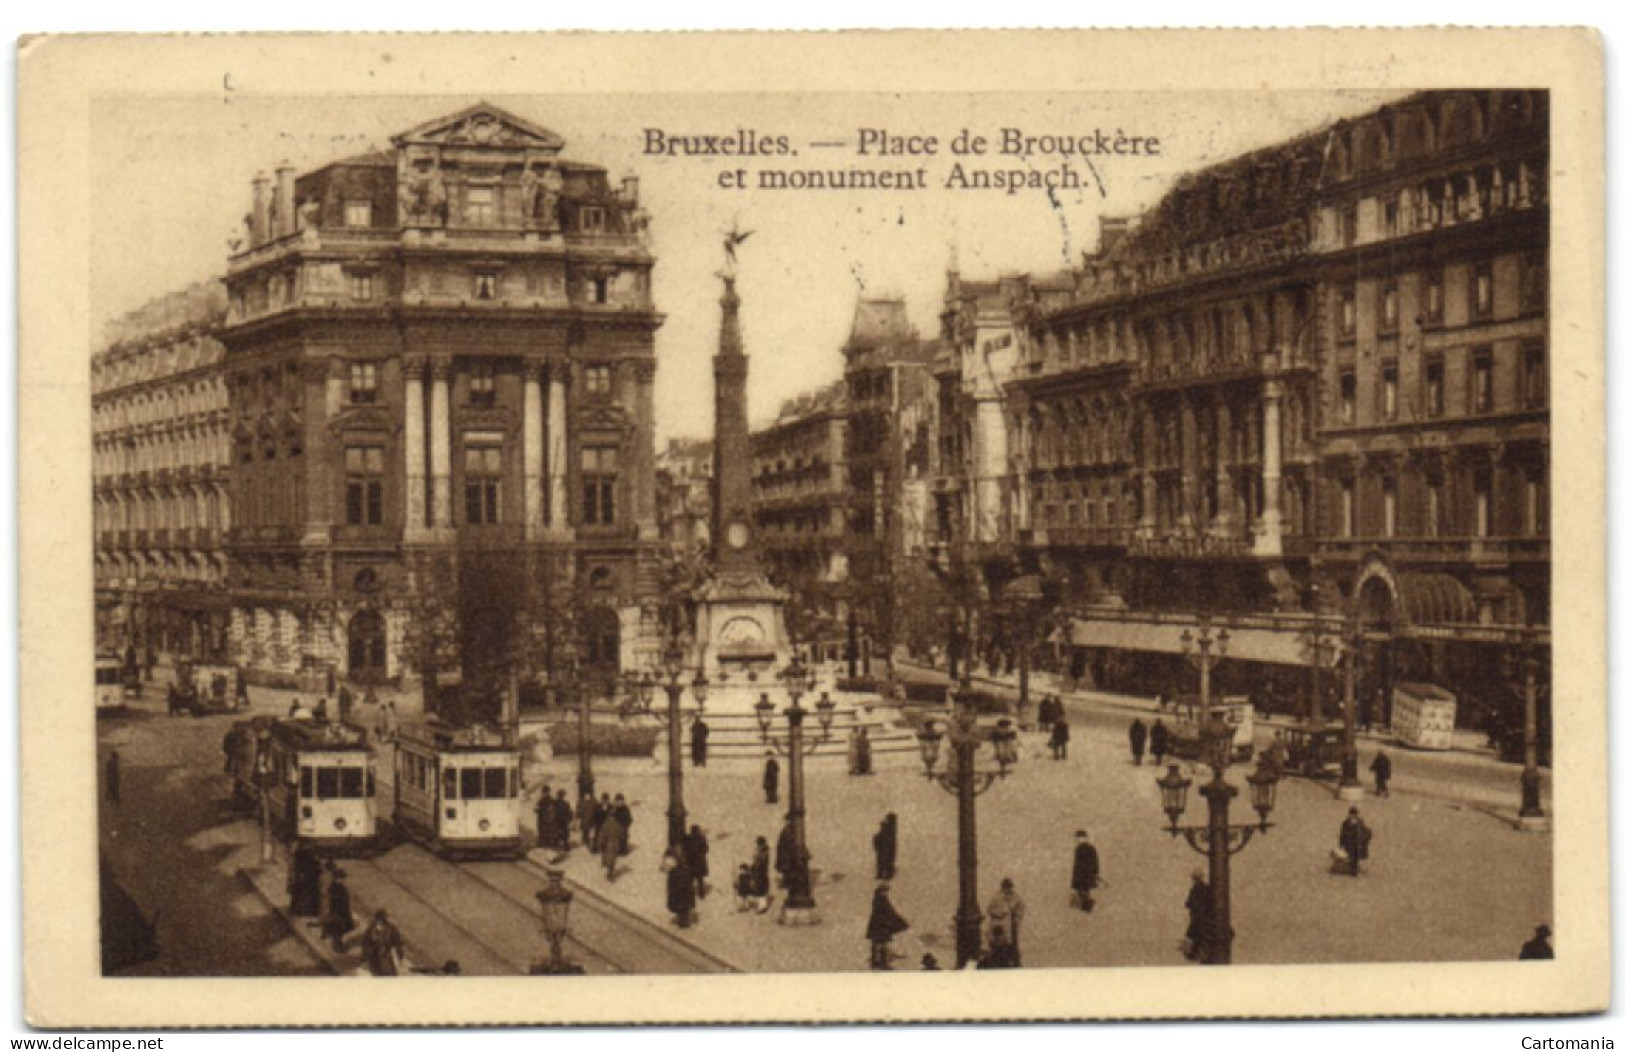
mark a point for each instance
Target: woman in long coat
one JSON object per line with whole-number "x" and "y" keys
{"x": 338, "y": 921}
{"x": 305, "y": 882}
{"x": 679, "y": 889}
{"x": 885, "y": 923}
{"x": 761, "y": 883}
{"x": 611, "y": 843}
{"x": 1199, "y": 930}
{"x": 697, "y": 857}
{"x": 885, "y": 843}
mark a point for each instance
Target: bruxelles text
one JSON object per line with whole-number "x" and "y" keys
{"x": 885, "y": 142}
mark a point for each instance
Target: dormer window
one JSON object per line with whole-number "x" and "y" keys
{"x": 479, "y": 206}
{"x": 592, "y": 219}
{"x": 358, "y": 213}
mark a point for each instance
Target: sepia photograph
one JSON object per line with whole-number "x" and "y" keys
{"x": 752, "y": 531}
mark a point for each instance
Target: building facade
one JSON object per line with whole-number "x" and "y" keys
{"x": 161, "y": 462}
{"x": 1304, "y": 394}
{"x": 440, "y": 365}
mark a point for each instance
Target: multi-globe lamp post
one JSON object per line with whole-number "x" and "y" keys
{"x": 965, "y": 736}
{"x": 673, "y": 718}
{"x": 1204, "y": 649}
{"x": 1219, "y": 838}
{"x": 798, "y": 680}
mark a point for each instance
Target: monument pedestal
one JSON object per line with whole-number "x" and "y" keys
{"x": 739, "y": 629}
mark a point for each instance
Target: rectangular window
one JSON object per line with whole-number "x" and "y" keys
{"x": 1481, "y": 504}
{"x": 1346, "y": 392}
{"x": 1389, "y": 314}
{"x": 1390, "y": 390}
{"x": 482, "y": 386}
{"x": 1434, "y": 371}
{"x": 1390, "y": 506}
{"x": 358, "y": 213}
{"x": 360, "y": 286}
{"x": 448, "y": 783}
{"x": 482, "y": 484}
{"x": 600, "y": 290}
{"x": 592, "y": 219}
{"x": 1433, "y": 300}
{"x": 327, "y": 783}
{"x": 363, "y": 382}
{"x": 473, "y": 783}
{"x": 352, "y": 783}
{"x": 364, "y": 485}
{"x": 1483, "y": 381}
{"x": 1347, "y": 507}
{"x": 485, "y": 285}
{"x": 597, "y": 379}
{"x": 479, "y": 206}
{"x": 496, "y": 783}
{"x": 1483, "y": 298}
{"x": 1346, "y": 311}
{"x": 1348, "y": 221}
{"x": 1390, "y": 216}
{"x": 1534, "y": 519}
{"x": 1532, "y": 283}
{"x": 598, "y": 468}
{"x": 1534, "y": 376}
{"x": 1435, "y": 504}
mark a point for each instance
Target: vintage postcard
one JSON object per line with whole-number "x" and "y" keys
{"x": 647, "y": 528}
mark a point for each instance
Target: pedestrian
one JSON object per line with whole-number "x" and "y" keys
{"x": 611, "y": 842}
{"x": 346, "y": 703}
{"x": 699, "y": 741}
{"x": 761, "y": 881}
{"x": 797, "y": 862}
{"x": 744, "y": 898}
{"x": 562, "y": 817}
{"x": 587, "y": 816}
{"x": 338, "y": 921}
{"x": 1136, "y": 740}
{"x": 697, "y": 857}
{"x": 293, "y": 709}
{"x": 866, "y": 760}
{"x": 770, "y": 779}
{"x": 172, "y": 697}
{"x": 885, "y": 924}
{"x": 601, "y": 811}
{"x": 1004, "y": 916}
{"x": 1198, "y": 944}
{"x": 854, "y": 766}
{"x": 382, "y": 949}
{"x": 242, "y": 686}
{"x": 319, "y": 714}
{"x": 782, "y": 850}
{"x": 928, "y": 963}
{"x": 1354, "y": 838}
{"x": 1382, "y": 769}
{"x": 304, "y": 882}
{"x": 623, "y": 814}
{"x": 113, "y": 776}
{"x": 885, "y": 844}
{"x": 1159, "y": 741}
{"x": 1085, "y": 872}
{"x": 1539, "y": 948}
{"x": 1046, "y": 713}
{"x": 1060, "y": 733}
{"x": 545, "y": 821}
{"x": 679, "y": 888}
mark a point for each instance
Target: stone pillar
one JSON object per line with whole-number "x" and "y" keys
{"x": 643, "y": 444}
{"x": 531, "y": 445}
{"x": 558, "y": 496}
{"x": 416, "y": 484}
{"x": 1190, "y": 469}
{"x": 1224, "y": 467}
{"x": 1148, "y": 480}
{"x": 1267, "y": 538}
{"x": 322, "y": 379}
{"x": 440, "y": 442}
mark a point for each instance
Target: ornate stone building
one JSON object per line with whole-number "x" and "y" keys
{"x": 161, "y": 460}
{"x": 440, "y": 359}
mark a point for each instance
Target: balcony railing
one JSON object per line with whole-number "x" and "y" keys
{"x": 1443, "y": 549}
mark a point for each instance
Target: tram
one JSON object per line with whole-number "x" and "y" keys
{"x": 319, "y": 778}
{"x": 458, "y": 790}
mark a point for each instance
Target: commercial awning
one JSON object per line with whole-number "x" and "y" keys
{"x": 1275, "y": 647}
{"x": 1436, "y": 599}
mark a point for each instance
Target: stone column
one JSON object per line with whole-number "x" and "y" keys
{"x": 1148, "y": 480}
{"x": 323, "y": 380}
{"x": 440, "y": 442}
{"x": 413, "y": 370}
{"x": 1267, "y": 538}
{"x": 1225, "y": 467}
{"x": 643, "y": 479}
{"x": 532, "y": 446}
{"x": 558, "y": 496}
{"x": 1189, "y": 467}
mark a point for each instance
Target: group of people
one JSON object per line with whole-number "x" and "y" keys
{"x": 605, "y": 825}
{"x": 383, "y": 950}
{"x": 687, "y": 867}
{"x": 1141, "y": 737}
{"x": 1052, "y": 718}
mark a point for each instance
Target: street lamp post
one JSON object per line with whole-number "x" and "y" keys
{"x": 966, "y": 783}
{"x": 1318, "y": 645}
{"x": 798, "y": 680}
{"x": 1349, "y": 787}
{"x": 673, "y": 719}
{"x": 1204, "y": 649}
{"x": 1219, "y": 839}
{"x": 583, "y": 698}
{"x": 1531, "y": 816}
{"x": 554, "y": 900}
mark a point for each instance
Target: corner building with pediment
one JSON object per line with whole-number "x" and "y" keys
{"x": 440, "y": 363}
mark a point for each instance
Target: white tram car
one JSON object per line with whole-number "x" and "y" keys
{"x": 320, "y": 779}
{"x": 458, "y": 790}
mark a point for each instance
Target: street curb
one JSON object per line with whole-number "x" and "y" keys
{"x": 294, "y": 925}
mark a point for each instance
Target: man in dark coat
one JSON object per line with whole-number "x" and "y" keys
{"x": 1199, "y": 929}
{"x": 338, "y": 921}
{"x": 242, "y": 687}
{"x": 304, "y": 882}
{"x": 782, "y": 851}
{"x": 697, "y": 857}
{"x": 698, "y": 741}
{"x": 761, "y": 882}
{"x": 1059, "y": 734}
{"x": 545, "y": 826}
{"x": 382, "y": 948}
{"x": 885, "y": 923}
{"x": 1046, "y": 713}
{"x": 770, "y": 779}
{"x": 1354, "y": 837}
{"x": 588, "y": 817}
{"x": 623, "y": 815}
{"x": 679, "y": 889}
{"x": 601, "y": 812}
{"x": 1382, "y": 769}
{"x": 114, "y": 776}
{"x": 1136, "y": 740}
{"x": 1539, "y": 948}
{"x": 611, "y": 843}
{"x": 885, "y": 843}
{"x": 1085, "y": 872}
{"x": 1159, "y": 741}
{"x": 562, "y": 817}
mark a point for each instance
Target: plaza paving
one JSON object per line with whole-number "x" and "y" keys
{"x": 1447, "y": 880}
